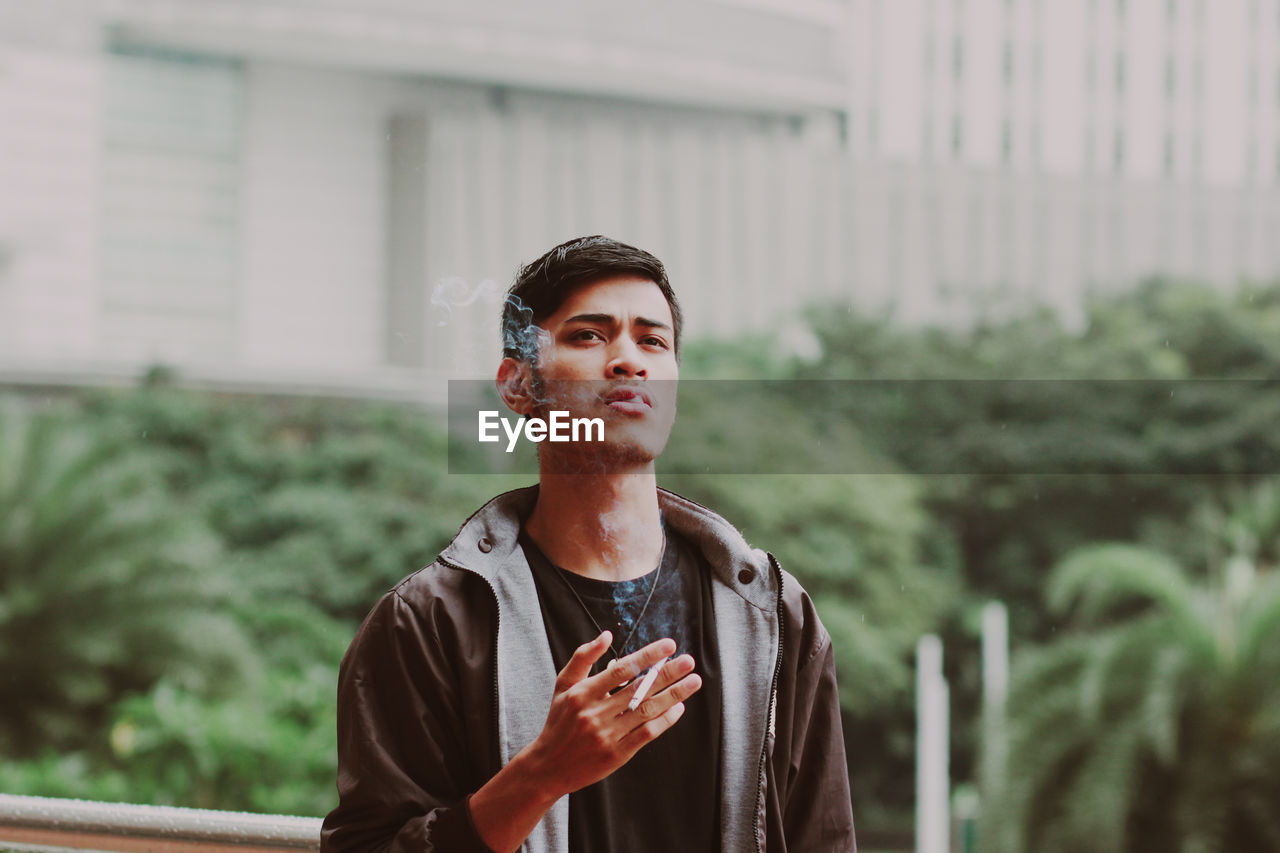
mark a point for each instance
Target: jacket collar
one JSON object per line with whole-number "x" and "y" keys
{"x": 488, "y": 540}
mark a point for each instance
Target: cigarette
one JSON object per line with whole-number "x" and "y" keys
{"x": 645, "y": 683}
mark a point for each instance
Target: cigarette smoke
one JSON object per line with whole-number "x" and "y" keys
{"x": 520, "y": 334}
{"x": 454, "y": 292}
{"x": 659, "y": 619}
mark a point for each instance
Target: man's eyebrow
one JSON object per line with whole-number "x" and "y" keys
{"x": 602, "y": 319}
{"x": 610, "y": 320}
{"x": 652, "y": 324}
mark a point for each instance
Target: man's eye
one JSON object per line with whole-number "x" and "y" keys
{"x": 587, "y": 335}
{"x": 651, "y": 340}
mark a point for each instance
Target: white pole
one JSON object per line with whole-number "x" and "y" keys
{"x": 995, "y": 657}
{"x": 995, "y": 689}
{"x": 933, "y": 827}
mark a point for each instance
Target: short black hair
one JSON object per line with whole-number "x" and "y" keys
{"x": 542, "y": 286}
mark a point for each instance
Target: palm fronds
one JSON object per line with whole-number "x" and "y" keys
{"x": 1152, "y": 724}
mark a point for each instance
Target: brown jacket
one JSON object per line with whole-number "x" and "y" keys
{"x": 450, "y": 675}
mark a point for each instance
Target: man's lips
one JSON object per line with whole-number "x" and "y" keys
{"x": 628, "y": 400}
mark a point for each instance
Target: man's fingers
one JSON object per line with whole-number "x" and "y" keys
{"x": 657, "y": 702}
{"x": 579, "y": 666}
{"x": 672, "y": 672}
{"x": 621, "y": 671}
{"x": 640, "y": 735}
{"x": 669, "y": 672}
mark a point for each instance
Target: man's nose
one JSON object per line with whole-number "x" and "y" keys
{"x": 625, "y": 360}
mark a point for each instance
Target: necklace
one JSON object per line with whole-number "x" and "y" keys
{"x": 639, "y": 618}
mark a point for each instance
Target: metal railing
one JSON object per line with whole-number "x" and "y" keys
{"x": 32, "y": 824}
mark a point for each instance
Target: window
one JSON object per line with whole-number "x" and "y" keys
{"x": 1008, "y": 63}
{"x": 1006, "y": 142}
{"x": 1168, "y": 154}
{"x": 957, "y": 134}
{"x": 172, "y": 133}
{"x": 1117, "y": 154}
{"x": 957, "y": 56}
{"x": 1119, "y": 73}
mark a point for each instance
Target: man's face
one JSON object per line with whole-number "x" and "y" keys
{"x": 609, "y": 353}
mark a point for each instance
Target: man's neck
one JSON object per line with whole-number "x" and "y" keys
{"x": 603, "y": 526}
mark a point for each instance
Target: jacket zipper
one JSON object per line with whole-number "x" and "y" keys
{"x": 497, "y": 624}
{"x": 768, "y": 724}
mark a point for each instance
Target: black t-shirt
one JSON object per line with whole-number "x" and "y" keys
{"x": 666, "y": 798}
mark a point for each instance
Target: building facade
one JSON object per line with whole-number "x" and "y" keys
{"x": 329, "y": 196}
{"x": 1167, "y": 90}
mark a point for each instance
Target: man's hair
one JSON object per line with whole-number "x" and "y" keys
{"x": 542, "y": 286}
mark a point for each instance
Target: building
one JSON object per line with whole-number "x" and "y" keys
{"x": 325, "y": 195}
{"x": 1171, "y": 90}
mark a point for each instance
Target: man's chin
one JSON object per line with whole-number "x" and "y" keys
{"x": 600, "y": 458}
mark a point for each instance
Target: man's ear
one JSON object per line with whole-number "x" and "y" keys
{"x": 515, "y": 385}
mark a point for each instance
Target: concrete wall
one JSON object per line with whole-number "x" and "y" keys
{"x": 50, "y": 138}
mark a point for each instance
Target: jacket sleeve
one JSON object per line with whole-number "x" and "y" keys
{"x": 813, "y": 782}
{"x": 403, "y": 773}
{"x": 818, "y": 815}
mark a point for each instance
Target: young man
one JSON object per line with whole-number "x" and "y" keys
{"x": 486, "y": 703}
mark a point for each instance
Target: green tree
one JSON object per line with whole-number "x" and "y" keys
{"x": 326, "y": 503}
{"x": 941, "y": 400}
{"x": 102, "y": 584}
{"x": 854, "y": 541}
{"x": 1154, "y": 724}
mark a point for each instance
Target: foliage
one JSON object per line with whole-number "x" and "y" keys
{"x": 1035, "y": 469}
{"x": 310, "y": 510}
{"x": 856, "y": 543}
{"x": 282, "y": 521}
{"x": 1154, "y": 724}
{"x": 331, "y": 502}
{"x": 1017, "y": 473}
{"x": 103, "y": 584}
{"x": 269, "y": 750}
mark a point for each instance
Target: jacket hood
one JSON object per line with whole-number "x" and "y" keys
{"x": 489, "y": 539}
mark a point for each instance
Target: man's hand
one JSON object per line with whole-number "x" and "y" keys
{"x": 589, "y": 733}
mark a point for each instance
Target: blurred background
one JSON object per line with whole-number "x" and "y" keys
{"x": 244, "y": 246}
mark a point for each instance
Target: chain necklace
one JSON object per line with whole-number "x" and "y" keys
{"x": 639, "y": 618}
